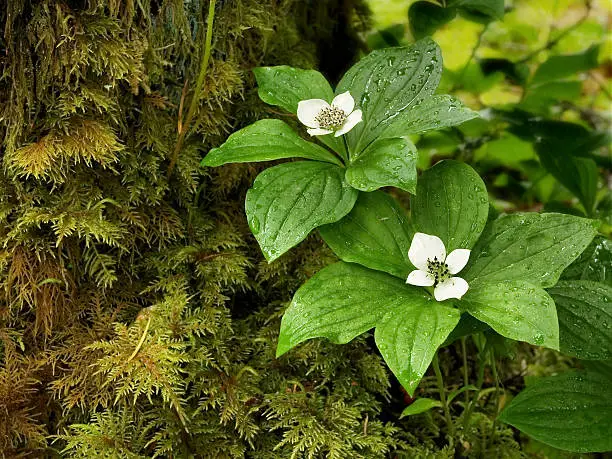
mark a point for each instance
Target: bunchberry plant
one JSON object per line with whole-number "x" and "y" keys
{"x": 397, "y": 272}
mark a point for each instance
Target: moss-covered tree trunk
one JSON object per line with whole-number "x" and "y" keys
{"x": 137, "y": 317}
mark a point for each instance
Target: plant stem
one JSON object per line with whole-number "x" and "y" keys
{"x": 185, "y": 125}
{"x": 447, "y": 415}
{"x": 496, "y": 377}
{"x": 466, "y": 379}
{"x": 459, "y": 81}
{"x": 470, "y": 407}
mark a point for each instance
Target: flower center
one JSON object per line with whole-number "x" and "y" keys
{"x": 330, "y": 118}
{"x": 438, "y": 269}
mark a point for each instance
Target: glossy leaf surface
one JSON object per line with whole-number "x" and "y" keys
{"x": 387, "y": 82}
{"x": 288, "y": 201}
{"x": 532, "y": 247}
{"x": 386, "y": 162}
{"x": 585, "y": 319}
{"x": 266, "y": 140}
{"x": 516, "y": 310}
{"x": 570, "y": 411}
{"x": 375, "y": 234}
{"x": 344, "y": 300}
{"x": 452, "y": 203}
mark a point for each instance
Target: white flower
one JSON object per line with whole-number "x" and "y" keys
{"x": 428, "y": 254}
{"x": 323, "y": 118}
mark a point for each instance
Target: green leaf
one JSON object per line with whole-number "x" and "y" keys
{"x": 286, "y": 86}
{"x": 452, "y": 203}
{"x": 435, "y": 112}
{"x": 489, "y": 9}
{"x": 386, "y": 162}
{"x": 387, "y": 82}
{"x": 516, "y": 310}
{"x": 288, "y": 201}
{"x": 585, "y": 319}
{"x": 593, "y": 264}
{"x": 374, "y": 234}
{"x": 339, "y": 303}
{"x": 540, "y": 99}
{"x": 528, "y": 246}
{"x": 410, "y": 334}
{"x": 570, "y": 411}
{"x": 420, "y": 405}
{"x": 426, "y": 17}
{"x": 390, "y": 36}
{"x": 266, "y": 140}
{"x": 579, "y": 175}
{"x": 560, "y": 67}
{"x": 344, "y": 300}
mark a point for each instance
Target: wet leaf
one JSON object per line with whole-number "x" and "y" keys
{"x": 528, "y": 246}
{"x": 516, "y": 310}
{"x": 375, "y": 234}
{"x": 266, "y": 140}
{"x": 344, "y": 300}
{"x": 570, "y": 411}
{"x": 409, "y": 336}
{"x": 594, "y": 264}
{"x": 386, "y": 162}
{"x": 452, "y": 203}
{"x": 288, "y": 201}
{"x": 435, "y": 112}
{"x": 387, "y": 82}
{"x": 286, "y": 86}
{"x": 585, "y": 318}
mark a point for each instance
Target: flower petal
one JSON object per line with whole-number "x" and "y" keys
{"x": 309, "y": 109}
{"x": 457, "y": 260}
{"x": 455, "y": 287}
{"x": 420, "y": 278}
{"x": 344, "y": 102}
{"x": 425, "y": 247}
{"x": 319, "y": 131}
{"x": 349, "y": 122}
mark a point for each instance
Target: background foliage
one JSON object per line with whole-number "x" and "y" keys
{"x": 137, "y": 315}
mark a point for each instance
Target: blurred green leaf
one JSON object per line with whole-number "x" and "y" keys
{"x": 385, "y": 38}
{"x": 426, "y": 17}
{"x": 561, "y": 67}
{"x": 579, "y": 175}
{"x": 506, "y": 151}
{"x": 480, "y": 10}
